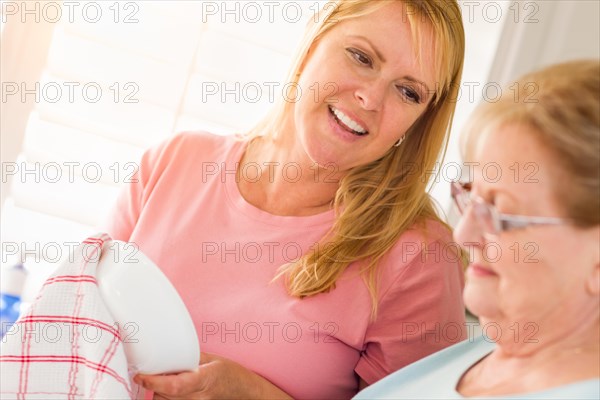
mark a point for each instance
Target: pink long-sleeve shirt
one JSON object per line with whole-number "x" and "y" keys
{"x": 221, "y": 253}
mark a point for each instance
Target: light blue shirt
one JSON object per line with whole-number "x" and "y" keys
{"x": 436, "y": 377}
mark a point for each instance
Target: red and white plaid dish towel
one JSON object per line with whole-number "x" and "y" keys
{"x": 67, "y": 345}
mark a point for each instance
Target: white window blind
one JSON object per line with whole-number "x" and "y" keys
{"x": 114, "y": 87}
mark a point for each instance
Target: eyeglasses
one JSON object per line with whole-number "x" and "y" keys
{"x": 490, "y": 220}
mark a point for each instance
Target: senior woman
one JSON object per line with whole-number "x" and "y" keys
{"x": 301, "y": 249}
{"x": 537, "y": 292}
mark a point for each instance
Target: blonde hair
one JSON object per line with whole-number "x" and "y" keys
{"x": 562, "y": 105}
{"x": 377, "y": 202}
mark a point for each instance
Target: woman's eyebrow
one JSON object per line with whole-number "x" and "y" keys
{"x": 375, "y": 49}
{"x": 382, "y": 58}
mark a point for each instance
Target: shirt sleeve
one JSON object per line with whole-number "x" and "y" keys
{"x": 129, "y": 205}
{"x": 421, "y": 313}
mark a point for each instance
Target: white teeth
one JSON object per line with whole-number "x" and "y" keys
{"x": 348, "y": 121}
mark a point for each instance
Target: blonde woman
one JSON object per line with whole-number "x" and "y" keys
{"x": 304, "y": 249}
{"x": 538, "y": 297}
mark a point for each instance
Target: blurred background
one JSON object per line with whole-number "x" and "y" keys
{"x": 88, "y": 86}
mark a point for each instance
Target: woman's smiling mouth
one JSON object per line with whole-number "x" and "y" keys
{"x": 348, "y": 123}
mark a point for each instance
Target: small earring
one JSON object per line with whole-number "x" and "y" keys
{"x": 399, "y": 142}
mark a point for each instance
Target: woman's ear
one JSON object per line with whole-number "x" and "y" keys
{"x": 593, "y": 281}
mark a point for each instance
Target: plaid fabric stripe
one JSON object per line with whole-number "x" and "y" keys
{"x": 67, "y": 345}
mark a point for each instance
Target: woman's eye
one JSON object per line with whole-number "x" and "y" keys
{"x": 359, "y": 56}
{"x": 410, "y": 94}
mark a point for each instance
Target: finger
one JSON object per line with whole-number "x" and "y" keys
{"x": 175, "y": 385}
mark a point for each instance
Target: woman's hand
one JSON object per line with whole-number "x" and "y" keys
{"x": 215, "y": 378}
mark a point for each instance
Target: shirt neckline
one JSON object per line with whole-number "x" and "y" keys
{"x": 474, "y": 359}
{"x": 238, "y": 201}
{"x": 485, "y": 351}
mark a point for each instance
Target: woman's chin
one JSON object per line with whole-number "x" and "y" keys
{"x": 325, "y": 157}
{"x": 480, "y": 301}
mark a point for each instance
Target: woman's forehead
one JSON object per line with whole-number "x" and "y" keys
{"x": 513, "y": 157}
{"x": 389, "y": 30}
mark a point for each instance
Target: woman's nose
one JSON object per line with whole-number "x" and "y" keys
{"x": 370, "y": 95}
{"x": 468, "y": 231}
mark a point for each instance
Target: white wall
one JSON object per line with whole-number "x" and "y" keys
{"x": 566, "y": 30}
{"x": 532, "y": 34}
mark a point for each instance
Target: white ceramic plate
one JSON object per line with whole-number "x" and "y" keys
{"x": 156, "y": 328}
